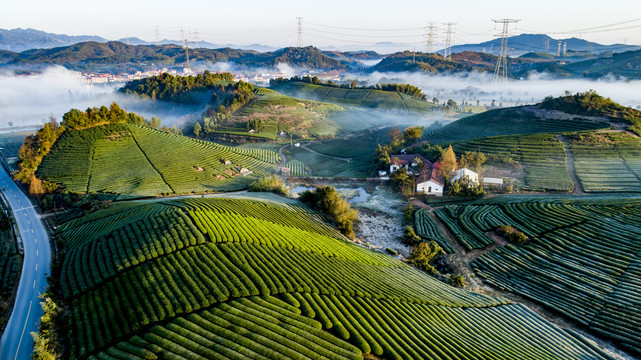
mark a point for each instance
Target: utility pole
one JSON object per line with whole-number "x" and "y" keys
{"x": 500, "y": 72}
{"x": 196, "y": 33}
{"x": 431, "y": 37}
{"x": 448, "y": 41}
{"x": 157, "y": 34}
{"x": 299, "y": 38}
{"x": 185, "y": 45}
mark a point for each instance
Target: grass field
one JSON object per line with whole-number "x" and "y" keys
{"x": 366, "y": 98}
{"x": 302, "y": 118}
{"x": 607, "y": 162}
{"x": 509, "y": 121}
{"x": 541, "y": 157}
{"x": 139, "y": 160}
{"x": 582, "y": 257}
{"x": 233, "y": 278}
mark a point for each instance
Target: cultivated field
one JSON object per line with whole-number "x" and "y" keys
{"x": 581, "y": 259}
{"x": 141, "y": 161}
{"x": 237, "y": 278}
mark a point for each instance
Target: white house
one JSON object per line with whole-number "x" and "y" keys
{"x": 428, "y": 181}
{"x": 408, "y": 162}
{"x": 465, "y": 172}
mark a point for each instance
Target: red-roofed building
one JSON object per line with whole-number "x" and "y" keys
{"x": 409, "y": 161}
{"x": 428, "y": 181}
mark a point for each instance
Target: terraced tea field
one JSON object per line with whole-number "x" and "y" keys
{"x": 607, "y": 162}
{"x": 583, "y": 257}
{"x": 141, "y": 161}
{"x": 509, "y": 121}
{"x": 541, "y": 156}
{"x": 236, "y": 278}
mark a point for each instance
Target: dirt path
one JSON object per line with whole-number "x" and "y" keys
{"x": 578, "y": 189}
{"x": 283, "y": 158}
{"x": 304, "y": 146}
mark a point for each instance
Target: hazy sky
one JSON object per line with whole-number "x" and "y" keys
{"x": 326, "y": 22}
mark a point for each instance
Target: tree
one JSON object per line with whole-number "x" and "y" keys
{"x": 413, "y": 133}
{"x": 328, "y": 201}
{"x": 473, "y": 159}
{"x": 423, "y": 253}
{"x": 402, "y": 181}
{"x": 197, "y": 129}
{"x": 155, "y": 122}
{"x": 448, "y": 164}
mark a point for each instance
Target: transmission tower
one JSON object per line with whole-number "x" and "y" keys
{"x": 558, "y": 51}
{"x": 157, "y": 34}
{"x": 565, "y": 48}
{"x": 185, "y": 45}
{"x": 448, "y": 41}
{"x": 500, "y": 72}
{"x": 299, "y": 38}
{"x": 431, "y": 37}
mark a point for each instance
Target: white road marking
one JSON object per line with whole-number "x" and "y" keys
{"x": 36, "y": 240}
{"x": 23, "y": 329}
{"x": 36, "y": 267}
{"x": 36, "y": 252}
{"x": 34, "y": 284}
{"x": 32, "y": 231}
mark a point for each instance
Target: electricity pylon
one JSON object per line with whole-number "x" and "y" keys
{"x": 448, "y": 41}
{"x": 500, "y": 72}
{"x": 299, "y": 38}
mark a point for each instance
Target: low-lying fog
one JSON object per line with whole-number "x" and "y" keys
{"x": 29, "y": 100}
{"x": 479, "y": 86}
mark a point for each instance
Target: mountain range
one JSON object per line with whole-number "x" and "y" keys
{"x": 18, "y": 40}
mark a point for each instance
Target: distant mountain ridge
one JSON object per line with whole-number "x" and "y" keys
{"x": 24, "y": 39}
{"x": 526, "y": 43}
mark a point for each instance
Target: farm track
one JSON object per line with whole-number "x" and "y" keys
{"x": 578, "y": 189}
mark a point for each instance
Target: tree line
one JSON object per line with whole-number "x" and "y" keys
{"x": 37, "y": 146}
{"x": 407, "y": 89}
{"x": 179, "y": 89}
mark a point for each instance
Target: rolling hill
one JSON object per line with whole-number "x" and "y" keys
{"x": 137, "y": 160}
{"x": 363, "y": 98}
{"x": 246, "y": 278}
{"x": 521, "y": 120}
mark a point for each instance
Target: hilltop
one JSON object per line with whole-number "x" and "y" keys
{"x": 240, "y": 109}
{"x": 400, "y": 98}
{"x": 581, "y": 111}
{"x": 249, "y": 278}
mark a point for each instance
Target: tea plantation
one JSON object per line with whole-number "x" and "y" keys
{"x": 581, "y": 258}
{"x": 139, "y": 160}
{"x": 234, "y": 278}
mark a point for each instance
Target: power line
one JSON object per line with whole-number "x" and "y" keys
{"x": 500, "y": 72}
{"x": 357, "y": 29}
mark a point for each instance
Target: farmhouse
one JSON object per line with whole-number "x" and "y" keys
{"x": 465, "y": 172}
{"x": 428, "y": 181}
{"x": 409, "y": 161}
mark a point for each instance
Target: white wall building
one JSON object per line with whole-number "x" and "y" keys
{"x": 465, "y": 172}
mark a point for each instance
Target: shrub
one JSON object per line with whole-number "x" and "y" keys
{"x": 422, "y": 254}
{"x": 410, "y": 237}
{"x": 269, "y": 184}
{"x": 512, "y": 234}
{"x": 458, "y": 280}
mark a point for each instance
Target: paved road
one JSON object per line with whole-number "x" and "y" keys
{"x": 16, "y": 342}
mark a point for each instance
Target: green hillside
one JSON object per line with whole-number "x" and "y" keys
{"x": 581, "y": 259}
{"x": 366, "y": 98}
{"x": 540, "y": 157}
{"x": 138, "y": 160}
{"x": 262, "y": 279}
{"x": 509, "y": 121}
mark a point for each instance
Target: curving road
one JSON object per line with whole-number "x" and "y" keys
{"x": 16, "y": 341}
